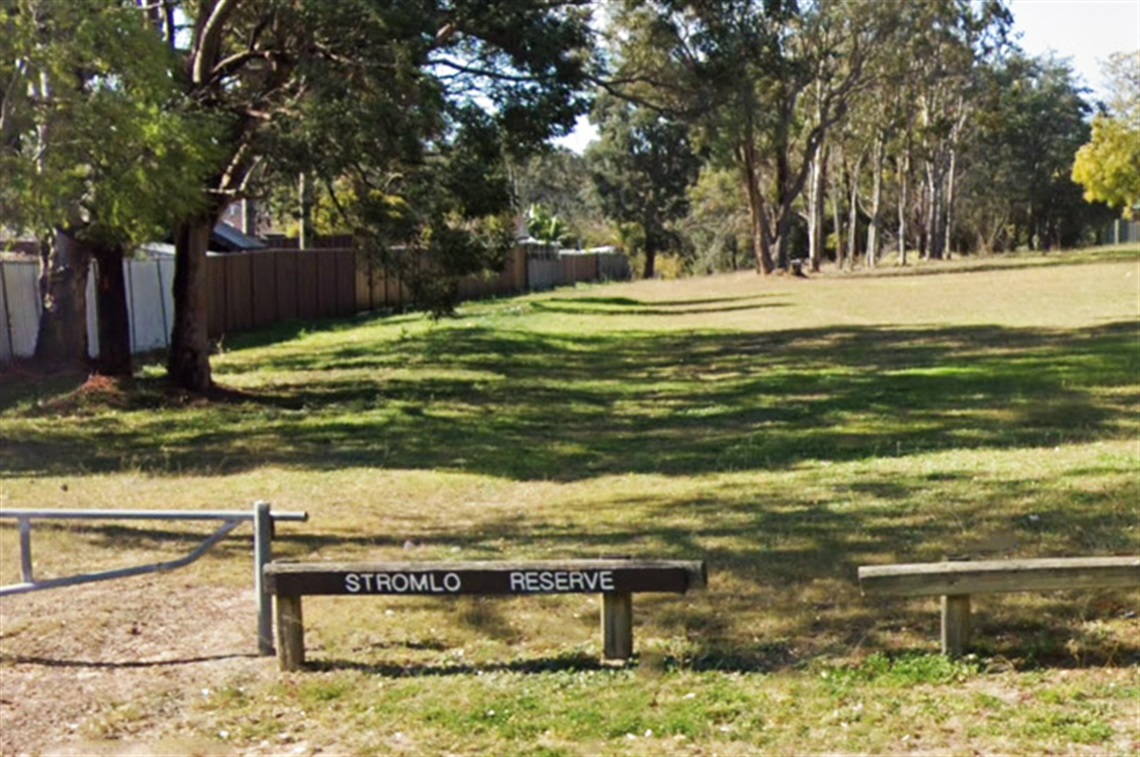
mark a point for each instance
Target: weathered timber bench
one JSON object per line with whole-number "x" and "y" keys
{"x": 956, "y": 581}
{"x": 616, "y": 580}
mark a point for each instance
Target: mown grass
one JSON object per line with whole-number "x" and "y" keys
{"x": 784, "y": 431}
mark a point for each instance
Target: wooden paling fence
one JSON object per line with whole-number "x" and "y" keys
{"x": 252, "y": 290}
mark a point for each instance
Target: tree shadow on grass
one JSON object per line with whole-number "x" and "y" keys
{"x": 535, "y": 407}
{"x": 527, "y": 406}
{"x": 556, "y": 664}
{"x": 782, "y": 571}
{"x": 53, "y": 662}
{"x": 627, "y": 306}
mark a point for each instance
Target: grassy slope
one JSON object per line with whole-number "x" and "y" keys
{"x": 786, "y": 431}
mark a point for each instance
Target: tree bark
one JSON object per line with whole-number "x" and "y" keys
{"x": 875, "y": 227}
{"x": 784, "y": 195}
{"x": 305, "y": 196}
{"x": 853, "y": 212}
{"x": 62, "y": 336}
{"x": 650, "y": 269}
{"x": 904, "y": 200}
{"x": 188, "y": 363}
{"x": 815, "y": 201}
{"x": 113, "y": 320}
{"x": 836, "y": 216}
{"x": 935, "y": 210}
{"x": 948, "y": 214}
{"x": 757, "y": 222}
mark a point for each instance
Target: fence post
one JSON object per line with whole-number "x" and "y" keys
{"x": 262, "y": 555}
{"x": 7, "y": 312}
{"x": 617, "y": 626}
{"x": 25, "y": 525}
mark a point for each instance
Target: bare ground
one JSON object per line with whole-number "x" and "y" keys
{"x": 69, "y": 685}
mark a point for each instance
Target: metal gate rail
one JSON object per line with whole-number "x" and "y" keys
{"x": 261, "y": 517}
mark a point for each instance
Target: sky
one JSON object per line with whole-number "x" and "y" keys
{"x": 1085, "y": 31}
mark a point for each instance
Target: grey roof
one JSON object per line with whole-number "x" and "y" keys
{"x": 226, "y": 238}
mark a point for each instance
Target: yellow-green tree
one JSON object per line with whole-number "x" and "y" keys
{"x": 1108, "y": 167}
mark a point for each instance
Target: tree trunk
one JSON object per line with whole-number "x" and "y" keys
{"x": 111, "y": 308}
{"x": 948, "y": 216}
{"x": 305, "y": 196}
{"x": 904, "y": 171}
{"x": 935, "y": 210}
{"x": 815, "y": 201}
{"x": 188, "y": 363}
{"x": 836, "y": 217}
{"x": 650, "y": 269}
{"x": 925, "y": 212}
{"x": 783, "y": 200}
{"x": 853, "y": 212}
{"x": 761, "y": 246}
{"x": 62, "y": 337}
{"x": 874, "y": 229}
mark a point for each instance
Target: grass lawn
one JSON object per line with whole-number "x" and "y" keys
{"x": 785, "y": 431}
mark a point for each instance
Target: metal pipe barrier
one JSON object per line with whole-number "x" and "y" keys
{"x": 263, "y": 530}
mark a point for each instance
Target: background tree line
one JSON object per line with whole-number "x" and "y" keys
{"x": 732, "y": 133}
{"x": 849, "y": 131}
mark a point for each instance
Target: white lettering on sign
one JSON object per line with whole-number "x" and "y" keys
{"x": 536, "y": 581}
{"x": 402, "y": 583}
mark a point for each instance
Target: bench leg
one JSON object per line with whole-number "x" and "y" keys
{"x": 617, "y": 626}
{"x": 290, "y": 634}
{"x": 955, "y": 624}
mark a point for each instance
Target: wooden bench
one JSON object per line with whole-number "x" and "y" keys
{"x": 615, "y": 580}
{"x": 956, "y": 581}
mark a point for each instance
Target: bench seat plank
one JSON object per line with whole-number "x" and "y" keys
{"x": 1000, "y": 576}
{"x": 486, "y": 577}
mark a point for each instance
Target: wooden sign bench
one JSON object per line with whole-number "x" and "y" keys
{"x": 616, "y": 580}
{"x": 956, "y": 581}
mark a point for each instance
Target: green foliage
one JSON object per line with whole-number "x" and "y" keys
{"x": 1030, "y": 120}
{"x": 717, "y": 222}
{"x": 1109, "y": 165}
{"x": 544, "y": 226}
{"x": 558, "y": 181}
{"x": 409, "y": 130}
{"x": 642, "y": 167}
{"x": 901, "y": 672}
{"x": 400, "y": 101}
{"x": 95, "y": 136}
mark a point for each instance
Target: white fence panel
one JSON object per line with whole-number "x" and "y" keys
{"x": 19, "y": 308}
{"x": 150, "y": 306}
{"x": 92, "y": 315}
{"x": 150, "y": 300}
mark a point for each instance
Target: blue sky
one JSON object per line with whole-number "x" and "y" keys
{"x": 1084, "y": 31}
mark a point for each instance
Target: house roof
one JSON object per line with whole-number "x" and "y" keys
{"x": 226, "y": 238}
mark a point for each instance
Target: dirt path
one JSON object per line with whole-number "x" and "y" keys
{"x": 122, "y": 660}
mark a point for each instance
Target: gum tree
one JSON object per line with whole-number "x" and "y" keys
{"x": 642, "y": 165}
{"x": 358, "y": 90}
{"x": 762, "y": 83}
{"x": 97, "y": 153}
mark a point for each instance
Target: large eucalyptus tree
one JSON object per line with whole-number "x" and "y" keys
{"x": 364, "y": 89}
{"x": 99, "y": 151}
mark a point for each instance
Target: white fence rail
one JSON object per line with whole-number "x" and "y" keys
{"x": 150, "y": 305}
